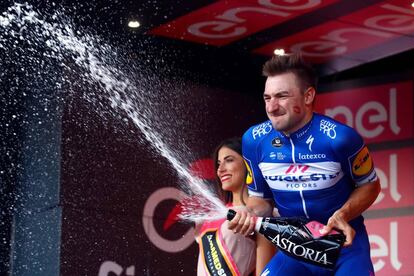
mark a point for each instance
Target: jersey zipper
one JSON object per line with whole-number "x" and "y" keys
{"x": 300, "y": 190}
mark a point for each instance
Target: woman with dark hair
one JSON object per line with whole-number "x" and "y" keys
{"x": 223, "y": 252}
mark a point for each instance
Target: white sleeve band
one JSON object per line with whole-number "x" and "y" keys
{"x": 253, "y": 193}
{"x": 370, "y": 178}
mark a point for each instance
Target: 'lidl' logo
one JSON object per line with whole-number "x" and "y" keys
{"x": 249, "y": 177}
{"x": 362, "y": 163}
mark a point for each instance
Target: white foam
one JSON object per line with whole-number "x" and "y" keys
{"x": 121, "y": 93}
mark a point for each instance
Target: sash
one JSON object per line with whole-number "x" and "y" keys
{"x": 216, "y": 258}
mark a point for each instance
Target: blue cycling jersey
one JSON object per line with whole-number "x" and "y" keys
{"x": 311, "y": 172}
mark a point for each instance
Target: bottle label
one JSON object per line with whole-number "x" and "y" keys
{"x": 301, "y": 239}
{"x": 301, "y": 251}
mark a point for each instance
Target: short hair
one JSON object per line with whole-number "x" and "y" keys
{"x": 292, "y": 63}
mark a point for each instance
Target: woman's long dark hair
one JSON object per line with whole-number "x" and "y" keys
{"x": 235, "y": 145}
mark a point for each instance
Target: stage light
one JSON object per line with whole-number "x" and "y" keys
{"x": 279, "y": 52}
{"x": 133, "y": 24}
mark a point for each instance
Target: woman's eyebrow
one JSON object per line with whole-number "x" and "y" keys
{"x": 227, "y": 156}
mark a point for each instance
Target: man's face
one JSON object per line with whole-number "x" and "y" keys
{"x": 286, "y": 105}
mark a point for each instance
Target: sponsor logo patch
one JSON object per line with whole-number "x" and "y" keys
{"x": 362, "y": 163}
{"x": 249, "y": 176}
{"x": 261, "y": 130}
{"x": 303, "y": 132}
{"x": 277, "y": 143}
{"x": 304, "y": 176}
{"x": 312, "y": 156}
{"x": 281, "y": 156}
{"x": 328, "y": 128}
{"x": 296, "y": 168}
{"x": 309, "y": 142}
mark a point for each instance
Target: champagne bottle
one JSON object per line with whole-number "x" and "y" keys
{"x": 299, "y": 238}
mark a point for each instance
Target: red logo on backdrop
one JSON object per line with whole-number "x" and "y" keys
{"x": 157, "y": 239}
{"x": 392, "y": 245}
{"x": 379, "y": 113}
{"x": 204, "y": 169}
{"x": 229, "y": 20}
{"x": 347, "y": 34}
{"x": 395, "y": 172}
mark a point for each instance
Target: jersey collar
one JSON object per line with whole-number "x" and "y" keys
{"x": 300, "y": 133}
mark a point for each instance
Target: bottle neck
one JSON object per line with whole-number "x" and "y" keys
{"x": 258, "y": 224}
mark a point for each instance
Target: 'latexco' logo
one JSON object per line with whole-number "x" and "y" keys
{"x": 328, "y": 128}
{"x": 312, "y": 156}
{"x": 261, "y": 129}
